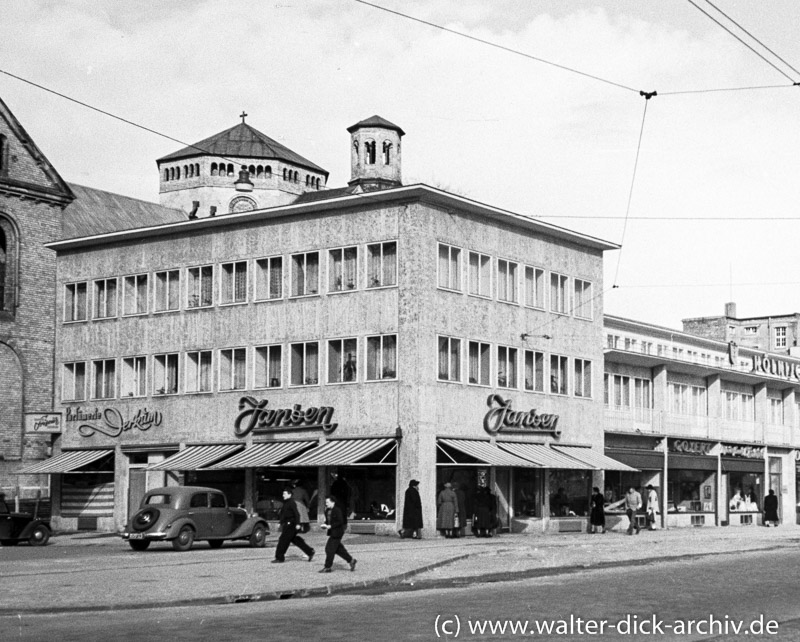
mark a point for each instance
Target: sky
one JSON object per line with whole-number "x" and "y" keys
{"x": 698, "y": 220}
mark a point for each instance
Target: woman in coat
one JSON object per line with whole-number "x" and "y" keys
{"x": 597, "y": 517}
{"x": 771, "y": 509}
{"x": 412, "y": 511}
{"x": 447, "y": 507}
{"x": 482, "y": 522}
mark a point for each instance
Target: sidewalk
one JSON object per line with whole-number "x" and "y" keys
{"x": 111, "y": 576}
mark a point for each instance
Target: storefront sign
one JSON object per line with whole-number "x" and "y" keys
{"x": 751, "y": 452}
{"x": 43, "y": 422}
{"x": 110, "y": 421}
{"x": 501, "y": 417}
{"x": 256, "y": 418}
{"x": 691, "y": 447}
{"x": 776, "y": 367}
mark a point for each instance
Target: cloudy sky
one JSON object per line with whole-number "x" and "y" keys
{"x": 717, "y": 170}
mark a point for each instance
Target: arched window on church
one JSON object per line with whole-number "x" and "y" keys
{"x": 230, "y": 169}
{"x": 252, "y": 170}
{"x": 387, "y": 152}
{"x": 3, "y": 154}
{"x": 296, "y": 176}
{"x": 3, "y": 267}
{"x": 284, "y": 173}
{"x": 213, "y": 169}
{"x": 268, "y": 171}
{"x": 317, "y": 183}
{"x": 166, "y": 174}
{"x": 260, "y": 171}
{"x": 9, "y": 251}
{"x": 197, "y": 169}
{"x": 369, "y": 152}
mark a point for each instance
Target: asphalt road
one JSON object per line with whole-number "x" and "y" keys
{"x": 731, "y": 588}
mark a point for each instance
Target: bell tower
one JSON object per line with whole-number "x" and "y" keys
{"x": 375, "y": 158}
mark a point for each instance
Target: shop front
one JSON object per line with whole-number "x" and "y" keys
{"x": 742, "y": 484}
{"x": 691, "y": 483}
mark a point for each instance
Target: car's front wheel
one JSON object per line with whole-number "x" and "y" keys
{"x": 40, "y": 536}
{"x": 258, "y": 538}
{"x": 184, "y": 540}
{"x": 139, "y": 544}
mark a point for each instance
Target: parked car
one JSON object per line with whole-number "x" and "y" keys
{"x": 184, "y": 514}
{"x": 22, "y": 527}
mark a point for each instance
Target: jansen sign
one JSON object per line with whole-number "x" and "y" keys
{"x": 43, "y": 422}
{"x": 255, "y": 417}
{"x": 501, "y": 417}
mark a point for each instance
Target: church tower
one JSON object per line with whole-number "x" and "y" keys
{"x": 375, "y": 159}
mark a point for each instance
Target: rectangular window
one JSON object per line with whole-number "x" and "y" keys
{"x": 343, "y": 269}
{"x": 134, "y": 377}
{"x": 269, "y": 367}
{"x": 449, "y": 359}
{"x": 233, "y": 369}
{"x": 168, "y": 290}
{"x": 480, "y": 274}
{"x": 305, "y": 274}
{"x": 751, "y": 329}
{"x": 506, "y": 281}
{"x": 135, "y": 294}
{"x": 104, "y": 372}
{"x": 75, "y": 302}
{"x": 200, "y": 287}
{"x": 534, "y": 371}
{"x": 73, "y": 384}
{"x": 688, "y": 400}
{"x": 776, "y": 411}
{"x": 382, "y": 357}
{"x": 304, "y": 364}
{"x": 583, "y": 378}
{"x": 198, "y": 371}
{"x": 642, "y": 394}
{"x": 780, "y": 337}
{"x": 165, "y": 374}
{"x": 534, "y": 287}
{"x": 479, "y": 363}
{"x": 342, "y": 360}
{"x": 269, "y": 278}
{"x": 234, "y": 283}
{"x": 559, "y": 299}
{"x": 449, "y": 267}
{"x": 559, "y": 384}
{"x": 382, "y": 264}
{"x": 582, "y": 300}
{"x": 506, "y": 367}
{"x": 105, "y": 298}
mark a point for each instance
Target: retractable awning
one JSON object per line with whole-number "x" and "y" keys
{"x": 486, "y": 453}
{"x": 260, "y": 455}
{"x": 544, "y": 456}
{"x": 597, "y": 460}
{"x": 65, "y": 462}
{"x": 195, "y": 457}
{"x": 345, "y": 452}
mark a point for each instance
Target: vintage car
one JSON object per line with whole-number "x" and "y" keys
{"x": 183, "y": 514}
{"x": 22, "y": 527}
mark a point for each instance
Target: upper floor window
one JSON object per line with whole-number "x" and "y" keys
{"x": 342, "y": 360}
{"x": 382, "y": 357}
{"x": 343, "y": 269}
{"x": 382, "y": 264}
{"x": 200, "y": 286}
{"x": 738, "y": 406}
{"x": 104, "y": 378}
{"x": 534, "y": 287}
{"x": 234, "y": 283}
{"x": 623, "y": 392}
{"x": 479, "y": 274}
{"x": 9, "y": 251}
{"x": 73, "y": 381}
{"x": 305, "y": 274}
{"x": 233, "y": 369}
{"x": 370, "y": 152}
{"x": 304, "y": 365}
{"x": 269, "y": 366}
{"x": 534, "y": 371}
{"x": 449, "y": 267}
{"x": 507, "y": 281}
{"x": 133, "y": 382}
{"x": 449, "y": 359}
{"x": 165, "y": 374}
{"x": 775, "y": 408}
{"x": 105, "y": 298}
{"x": 583, "y": 378}
{"x": 582, "y": 299}
{"x": 559, "y": 375}
{"x": 269, "y": 278}
{"x": 198, "y": 371}
{"x": 135, "y": 294}
{"x": 168, "y": 290}
{"x": 687, "y": 399}
{"x": 559, "y": 297}
{"x": 3, "y": 155}
{"x": 479, "y": 362}
{"x": 751, "y": 329}
{"x": 506, "y": 367}
{"x": 780, "y": 337}
{"x": 75, "y": 301}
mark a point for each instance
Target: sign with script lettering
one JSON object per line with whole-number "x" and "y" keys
{"x": 110, "y": 421}
{"x": 502, "y": 418}
{"x": 255, "y": 417}
{"x": 751, "y": 452}
{"x": 43, "y": 422}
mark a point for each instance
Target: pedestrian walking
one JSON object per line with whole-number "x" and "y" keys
{"x": 461, "y": 508}
{"x": 652, "y": 507}
{"x": 771, "y": 509}
{"x": 412, "y": 512}
{"x": 335, "y": 524}
{"x": 300, "y": 496}
{"x": 290, "y": 528}
{"x": 447, "y": 508}
{"x": 633, "y": 502}
{"x": 597, "y": 515}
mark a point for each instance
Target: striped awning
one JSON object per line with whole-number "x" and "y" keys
{"x": 487, "y": 453}
{"x": 259, "y": 455}
{"x": 597, "y": 460}
{"x": 195, "y": 457}
{"x": 65, "y": 462}
{"x": 344, "y": 452}
{"x": 544, "y": 456}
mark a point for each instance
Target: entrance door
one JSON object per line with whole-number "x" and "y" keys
{"x": 137, "y": 487}
{"x": 502, "y": 491}
{"x": 775, "y": 480}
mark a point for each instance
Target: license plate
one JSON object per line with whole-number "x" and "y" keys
{"x": 136, "y": 536}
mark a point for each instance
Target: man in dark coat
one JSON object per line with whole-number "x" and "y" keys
{"x": 335, "y": 524}
{"x": 771, "y": 509}
{"x": 290, "y": 527}
{"x": 412, "y": 511}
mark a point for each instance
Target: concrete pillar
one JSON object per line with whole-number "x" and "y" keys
{"x": 249, "y": 490}
{"x": 120, "y": 489}
{"x": 761, "y": 407}
{"x": 660, "y": 396}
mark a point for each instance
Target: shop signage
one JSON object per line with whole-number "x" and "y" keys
{"x": 43, "y": 422}
{"x": 776, "y": 367}
{"x": 501, "y": 417}
{"x": 750, "y": 452}
{"x": 110, "y": 421}
{"x": 691, "y": 447}
{"x": 255, "y": 417}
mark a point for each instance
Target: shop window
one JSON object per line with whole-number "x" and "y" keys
{"x": 534, "y": 287}
{"x": 688, "y": 400}
{"x": 582, "y": 299}
{"x": 506, "y": 367}
{"x": 269, "y": 366}
{"x": 200, "y": 286}
{"x": 559, "y": 297}
{"x": 534, "y": 371}
{"x": 691, "y": 491}
{"x": 449, "y": 267}
{"x": 559, "y": 375}
{"x": 343, "y": 269}
{"x": 234, "y": 283}
{"x": 527, "y": 485}
{"x": 382, "y": 264}
{"x": 583, "y": 378}
{"x": 305, "y": 274}
{"x": 507, "y": 281}
{"x": 73, "y": 381}
{"x": 75, "y": 302}
{"x": 165, "y": 374}
{"x": 133, "y": 382}
{"x": 570, "y": 491}
{"x": 745, "y": 491}
{"x": 382, "y": 357}
{"x": 233, "y": 369}
{"x": 168, "y": 290}
{"x": 479, "y": 274}
{"x": 104, "y": 372}
{"x": 479, "y": 363}
{"x": 135, "y": 294}
{"x": 449, "y": 359}
{"x": 342, "y": 360}
{"x": 105, "y": 298}
{"x": 198, "y": 371}
{"x": 304, "y": 364}
{"x": 269, "y": 278}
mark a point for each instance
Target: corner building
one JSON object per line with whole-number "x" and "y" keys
{"x": 387, "y": 332}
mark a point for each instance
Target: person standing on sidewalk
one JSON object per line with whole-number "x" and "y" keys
{"x": 597, "y": 516}
{"x": 633, "y": 502}
{"x": 412, "y": 512}
{"x": 447, "y": 509}
{"x": 771, "y": 509}
{"x": 290, "y": 528}
{"x": 652, "y": 507}
{"x": 335, "y": 524}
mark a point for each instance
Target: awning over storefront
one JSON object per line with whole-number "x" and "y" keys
{"x": 195, "y": 457}
{"x": 66, "y": 462}
{"x": 486, "y": 453}
{"x": 641, "y": 459}
{"x": 259, "y": 455}
{"x": 346, "y": 452}
{"x": 692, "y": 462}
{"x": 592, "y": 458}
{"x": 543, "y": 456}
{"x": 733, "y": 465}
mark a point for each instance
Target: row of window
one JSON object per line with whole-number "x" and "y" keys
{"x": 371, "y": 152}
{"x": 231, "y": 369}
{"x": 513, "y": 282}
{"x": 163, "y": 291}
{"x": 255, "y": 171}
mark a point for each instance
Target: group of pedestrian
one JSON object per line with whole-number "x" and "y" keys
{"x": 451, "y": 511}
{"x": 632, "y": 504}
